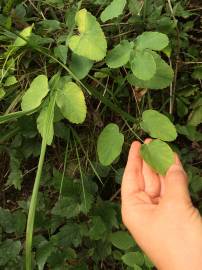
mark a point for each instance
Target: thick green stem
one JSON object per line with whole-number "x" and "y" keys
{"x": 33, "y": 203}
{"x": 32, "y": 209}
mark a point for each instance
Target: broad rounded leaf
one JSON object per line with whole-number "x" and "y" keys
{"x": 71, "y": 102}
{"x": 119, "y": 55}
{"x": 35, "y": 94}
{"x": 115, "y": 9}
{"x": 143, "y": 65}
{"x": 158, "y": 155}
{"x": 91, "y": 43}
{"x": 122, "y": 240}
{"x": 162, "y": 78}
{"x": 109, "y": 144}
{"x": 152, "y": 40}
{"x": 158, "y": 126}
{"x": 133, "y": 258}
{"x": 80, "y": 66}
{"x": 24, "y": 35}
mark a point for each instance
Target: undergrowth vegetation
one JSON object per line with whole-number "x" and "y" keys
{"x": 79, "y": 81}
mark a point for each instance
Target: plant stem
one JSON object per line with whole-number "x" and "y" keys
{"x": 32, "y": 208}
{"x": 33, "y": 203}
{"x": 65, "y": 162}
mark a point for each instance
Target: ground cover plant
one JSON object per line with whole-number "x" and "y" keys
{"x": 79, "y": 81}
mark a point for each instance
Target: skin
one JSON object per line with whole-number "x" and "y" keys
{"x": 159, "y": 214}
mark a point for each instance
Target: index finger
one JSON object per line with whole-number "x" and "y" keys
{"x": 133, "y": 180}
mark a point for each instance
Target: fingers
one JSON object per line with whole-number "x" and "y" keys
{"x": 132, "y": 179}
{"x": 176, "y": 183}
{"x": 151, "y": 179}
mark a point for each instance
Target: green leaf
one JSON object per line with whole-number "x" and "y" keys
{"x": 34, "y": 197}
{"x": 197, "y": 74}
{"x": 152, "y": 40}
{"x": 13, "y": 116}
{"x": 50, "y": 25}
{"x": 91, "y": 42}
{"x": 80, "y": 66}
{"x": 67, "y": 207}
{"x": 35, "y": 94}
{"x": 162, "y": 78}
{"x": 109, "y": 144}
{"x": 143, "y": 65}
{"x": 133, "y": 258}
{"x": 182, "y": 108}
{"x": 69, "y": 234}
{"x": 190, "y": 132}
{"x": 158, "y": 126}
{"x": 195, "y": 117}
{"x": 136, "y": 267}
{"x": 135, "y": 6}
{"x": 15, "y": 176}
{"x": 60, "y": 52}
{"x": 25, "y": 35}
{"x": 158, "y": 155}
{"x": 9, "y": 250}
{"x": 122, "y": 240}
{"x": 119, "y": 55}
{"x": 20, "y": 222}
{"x": 41, "y": 124}
{"x": 114, "y": 10}
{"x": 42, "y": 254}
{"x": 148, "y": 262}
{"x": 71, "y": 102}
{"x": 6, "y": 221}
{"x": 10, "y": 81}
{"x": 2, "y": 93}
{"x": 97, "y": 228}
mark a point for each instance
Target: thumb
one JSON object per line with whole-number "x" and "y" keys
{"x": 176, "y": 183}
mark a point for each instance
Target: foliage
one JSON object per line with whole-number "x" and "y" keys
{"x": 80, "y": 80}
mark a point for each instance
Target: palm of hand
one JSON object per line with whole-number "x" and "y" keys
{"x": 153, "y": 209}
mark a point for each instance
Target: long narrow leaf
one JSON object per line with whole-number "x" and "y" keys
{"x": 32, "y": 210}
{"x": 13, "y": 116}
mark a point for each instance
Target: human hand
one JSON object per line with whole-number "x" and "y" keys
{"x": 159, "y": 214}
